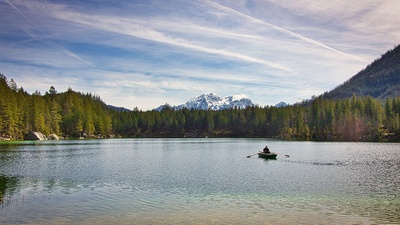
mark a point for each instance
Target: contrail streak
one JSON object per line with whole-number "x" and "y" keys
{"x": 38, "y": 38}
{"x": 130, "y": 28}
{"x": 27, "y": 19}
{"x": 278, "y": 28}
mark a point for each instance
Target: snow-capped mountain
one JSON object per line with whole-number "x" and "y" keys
{"x": 212, "y": 101}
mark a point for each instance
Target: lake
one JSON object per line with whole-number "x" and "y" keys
{"x": 198, "y": 181}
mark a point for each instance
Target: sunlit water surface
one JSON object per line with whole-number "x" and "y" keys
{"x": 198, "y": 181}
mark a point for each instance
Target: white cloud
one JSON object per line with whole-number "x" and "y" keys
{"x": 132, "y": 28}
{"x": 359, "y": 24}
{"x": 145, "y": 54}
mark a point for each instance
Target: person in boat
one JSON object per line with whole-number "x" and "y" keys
{"x": 266, "y": 150}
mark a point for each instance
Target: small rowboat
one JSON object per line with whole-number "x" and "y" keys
{"x": 265, "y": 155}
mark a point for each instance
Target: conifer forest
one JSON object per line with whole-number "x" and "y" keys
{"x": 74, "y": 114}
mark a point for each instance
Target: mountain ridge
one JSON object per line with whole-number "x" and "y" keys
{"x": 211, "y": 101}
{"x": 380, "y": 79}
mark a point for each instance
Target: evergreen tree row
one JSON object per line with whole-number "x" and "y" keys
{"x": 74, "y": 114}
{"x": 355, "y": 118}
{"x": 69, "y": 114}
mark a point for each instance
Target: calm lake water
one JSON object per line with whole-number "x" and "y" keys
{"x": 198, "y": 181}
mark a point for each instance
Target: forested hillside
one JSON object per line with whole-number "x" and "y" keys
{"x": 73, "y": 114}
{"x": 70, "y": 114}
{"x": 381, "y": 79}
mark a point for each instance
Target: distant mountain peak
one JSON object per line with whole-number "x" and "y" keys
{"x": 281, "y": 104}
{"x": 212, "y": 101}
{"x": 118, "y": 109}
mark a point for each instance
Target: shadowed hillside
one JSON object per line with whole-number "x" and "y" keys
{"x": 380, "y": 79}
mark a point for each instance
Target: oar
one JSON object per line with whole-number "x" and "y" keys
{"x": 251, "y": 155}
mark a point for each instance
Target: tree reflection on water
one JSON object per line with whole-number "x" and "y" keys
{"x": 7, "y": 188}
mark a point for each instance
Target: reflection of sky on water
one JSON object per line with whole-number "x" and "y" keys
{"x": 125, "y": 180}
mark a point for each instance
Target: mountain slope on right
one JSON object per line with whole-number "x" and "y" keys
{"x": 380, "y": 79}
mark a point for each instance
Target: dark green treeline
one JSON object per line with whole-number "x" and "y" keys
{"x": 356, "y": 118}
{"x": 74, "y": 114}
{"x": 69, "y": 114}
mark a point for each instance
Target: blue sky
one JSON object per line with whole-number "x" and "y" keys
{"x": 146, "y": 53}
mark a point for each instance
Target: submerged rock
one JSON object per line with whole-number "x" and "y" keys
{"x": 35, "y": 136}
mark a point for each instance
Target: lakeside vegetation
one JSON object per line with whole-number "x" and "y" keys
{"x": 356, "y": 118}
{"x": 366, "y": 107}
{"x": 68, "y": 114}
{"x": 74, "y": 114}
